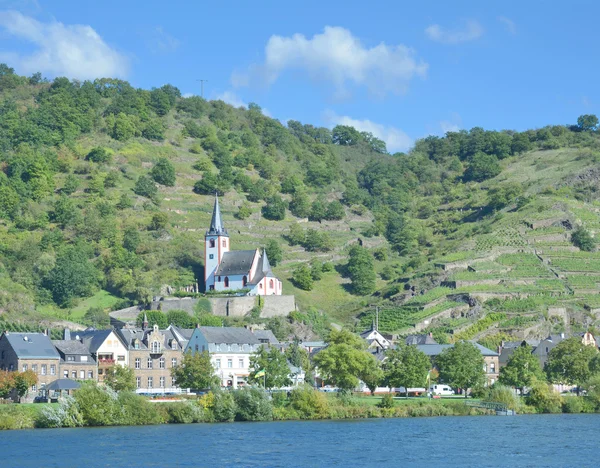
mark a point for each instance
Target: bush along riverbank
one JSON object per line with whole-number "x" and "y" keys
{"x": 93, "y": 405}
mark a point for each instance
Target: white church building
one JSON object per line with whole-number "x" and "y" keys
{"x": 227, "y": 270}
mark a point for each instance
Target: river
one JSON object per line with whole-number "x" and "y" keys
{"x": 519, "y": 441}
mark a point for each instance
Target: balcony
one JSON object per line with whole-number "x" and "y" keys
{"x": 106, "y": 362}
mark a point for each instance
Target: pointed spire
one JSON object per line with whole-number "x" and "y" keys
{"x": 216, "y": 224}
{"x": 266, "y": 266}
{"x": 145, "y": 322}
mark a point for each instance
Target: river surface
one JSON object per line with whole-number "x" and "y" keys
{"x": 485, "y": 441}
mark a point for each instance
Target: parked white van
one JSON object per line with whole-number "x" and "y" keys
{"x": 441, "y": 389}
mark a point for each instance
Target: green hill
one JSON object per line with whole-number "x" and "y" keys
{"x": 106, "y": 190}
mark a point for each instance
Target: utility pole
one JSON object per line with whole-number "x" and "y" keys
{"x": 202, "y": 87}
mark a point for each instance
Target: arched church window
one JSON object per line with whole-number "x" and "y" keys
{"x": 211, "y": 243}
{"x": 219, "y": 279}
{"x": 227, "y": 281}
{"x": 244, "y": 281}
{"x": 271, "y": 284}
{"x": 224, "y": 243}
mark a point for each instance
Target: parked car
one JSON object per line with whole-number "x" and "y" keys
{"x": 441, "y": 389}
{"x": 328, "y": 389}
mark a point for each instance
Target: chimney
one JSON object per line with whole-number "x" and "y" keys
{"x": 46, "y": 332}
{"x": 67, "y": 334}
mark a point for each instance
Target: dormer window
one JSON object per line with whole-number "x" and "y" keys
{"x": 173, "y": 344}
{"x": 155, "y": 347}
{"x": 136, "y": 344}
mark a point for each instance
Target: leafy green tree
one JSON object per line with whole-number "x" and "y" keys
{"x": 145, "y": 187}
{"x": 582, "y": 238}
{"x": 73, "y": 276}
{"x": 372, "y": 375}
{"x": 99, "y": 155}
{"x": 406, "y": 367}
{"x": 154, "y": 130}
{"x": 195, "y": 372}
{"x": 481, "y": 167}
{"x": 298, "y": 356}
{"x": 315, "y": 241}
{"x": 211, "y": 183}
{"x": 120, "y": 378}
{"x": 97, "y": 317}
{"x": 252, "y": 404}
{"x": 124, "y": 202}
{"x": 296, "y": 235}
{"x": 180, "y": 318}
{"x": 163, "y": 172}
{"x": 209, "y": 320}
{"x": 522, "y": 369}
{"x": 345, "y": 135}
{"x": 274, "y": 252}
{"x": 124, "y": 128}
{"x": 160, "y": 102}
{"x": 274, "y": 365}
{"x": 569, "y": 362}
{"x": 274, "y": 209}
{"x": 461, "y": 366}
{"x": 335, "y": 211}
{"x": 520, "y": 143}
{"x": 158, "y": 222}
{"x": 316, "y": 270}
{"x": 155, "y": 317}
{"x": 302, "y": 277}
{"x": 23, "y": 381}
{"x": 344, "y": 361}
{"x": 587, "y": 122}
{"x": 300, "y": 204}
{"x": 361, "y": 271}
{"x": 131, "y": 239}
{"x": 9, "y": 202}
{"x": 244, "y": 211}
{"x": 503, "y": 195}
{"x": 318, "y": 210}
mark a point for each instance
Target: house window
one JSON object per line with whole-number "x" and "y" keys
{"x": 219, "y": 279}
{"x": 25, "y": 367}
{"x": 138, "y": 363}
{"x": 83, "y": 358}
{"x": 11, "y": 367}
{"x": 121, "y": 358}
{"x": 44, "y": 368}
{"x": 34, "y": 368}
{"x": 493, "y": 368}
{"x": 33, "y": 388}
{"x": 90, "y": 374}
{"x": 173, "y": 381}
{"x": 74, "y": 375}
{"x": 52, "y": 369}
{"x": 484, "y": 367}
{"x": 150, "y": 382}
{"x": 228, "y": 347}
{"x": 241, "y": 363}
{"x": 271, "y": 284}
{"x": 162, "y": 382}
{"x": 244, "y": 281}
{"x": 224, "y": 243}
{"x": 161, "y": 363}
{"x": 218, "y": 347}
{"x": 173, "y": 362}
{"x": 218, "y": 363}
{"x": 138, "y": 382}
{"x": 229, "y": 363}
{"x": 155, "y": 347}
{"x": 260, "y": 286}
{"x": 173, "y": 344}
{"x": 136, "y": 344}
{"x": 149, "y": 363}
{"x": 66, "y": 374}
{"x": 227, "y": 281}
{"x": 70, "y": 358}
{"x": 211, "y": 243}
{"x": 82, "y": 374}
{"x": 546, "y": 349}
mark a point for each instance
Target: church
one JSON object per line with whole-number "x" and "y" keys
{"x": 227, "y": 270}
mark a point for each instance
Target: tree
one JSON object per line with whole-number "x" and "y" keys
{"x": 163, "y": 172}
{"x": 481, "y": 167}
{"x": 582, "y": 238}
{"x": 145, "y": 187}
{"x": 300, "y": 204}
{"x": 361, "y": 270}
{"x": 335, "y": 211}
{"x": 461, "y": 366}
{"x": 372, "y": 375}
{"x": 158, "y": 222}
{"x": 522, "y": 369}
{"x": 195, "y": 372}
{"x": 501, "y": 196}
{"x": 23, "y": 381}
{"x": 124, "y": 128}
{"x": 296, "y": 235}
{"x": 302, "y": 277}
{"x": 569, "y": 362}
{"x": 7, "y": 383}
{"x": 244, "y": 211}
{"x": 345, "y": 360}
{"x": 318, "y": 210}
{"x": 274, "y": 252}
{"x": 97, "y": 317}
{"x": 274, "y": 365}
{"x": 99, "y": 155}
{"x": 587, "y": 122}
{"x": 72, "y": 276}
{"x": 131, "y": 239}
{"x": 274, "y": 209}
{"x": 120, "y": 378}
{"x": 298, "y": 356}
{"x": 345, "y": 135}
{"x": 406, "y": 367}
{"x": 180, "y": 318}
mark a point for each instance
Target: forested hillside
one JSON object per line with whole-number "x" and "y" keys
{"x": 106, "y": 191}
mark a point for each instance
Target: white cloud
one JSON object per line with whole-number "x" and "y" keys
{"x": 395, "y": 139}
{"x": 454, "y": 124}
{"x": 75, "y": 51}
{"x": 510, "y": 25}
{"x": 233, "y": 99}
{"x": 338, "y": 57}
{"x": 472, "y": 30}
{"x": 161, "y": 41}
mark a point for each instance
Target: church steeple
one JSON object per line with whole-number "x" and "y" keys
{"x": 216, "y": 224}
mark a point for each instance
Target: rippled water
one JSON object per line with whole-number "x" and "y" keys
{"x": 536, "y": 441}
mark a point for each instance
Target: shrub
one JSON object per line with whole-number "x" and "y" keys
{"x": 503, "y": 394}
{"x": 163, "y": 172}
{"x": 135, "y": 410}
{"x": 309, "y": 403}
{"x": 98, "y": 406}
{"x": 223, "y": 406}
{"x": 252, "y": 404}
{"x": 387, "y": 401}
{"x": 99, "y": 155}
{"x": 544, "y": 399}
{"x": 184, "y": 413}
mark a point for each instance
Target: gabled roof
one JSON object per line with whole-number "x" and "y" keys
{"x": 93, "y": 339}
{"x": 436, "y": 349}
{"x": 129, "y": 335}
{"x": 31, "y": 345}
{"x": 237, "y": 262}
{"x": 228, "y": 335}
{"x": 420, "y": 339}
{"x": 216, "y": 223}
{"x": 71, "y": 347}
{"x": 264, "y": 269}
{"x": 266, "y": 335}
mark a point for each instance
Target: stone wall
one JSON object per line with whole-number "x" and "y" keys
{"x": 237, "y": 306}
{"x": 277, "y": 306}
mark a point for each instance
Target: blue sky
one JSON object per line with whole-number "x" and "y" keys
{"x": 401, "y": 70}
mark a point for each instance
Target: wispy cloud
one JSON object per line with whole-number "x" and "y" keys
{"x": 338, "y": 57}
{"x": 233, "y": 99}
{"x": 469, "y": 31}
{"x": 395, "y": 139}
{"x": 75, "y": 51}
{"x": 510, "y": 25}
{"x": 160, "y": 41}
{"x": 454, "y": 124}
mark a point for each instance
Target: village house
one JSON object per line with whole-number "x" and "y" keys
{"x": 76, "y": 361}
{"x": 376, "y": 342}
{"x": 236, "y": 270}
{"x": 105, "y": 346}
{"x": 152, "y": 354}
{"x": 230, "y": 349}
{"x": 30, "y": 351}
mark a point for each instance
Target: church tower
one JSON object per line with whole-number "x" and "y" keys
{"x": 216, "y": 243}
